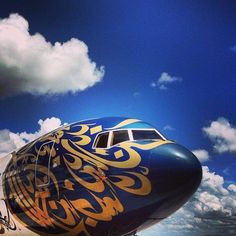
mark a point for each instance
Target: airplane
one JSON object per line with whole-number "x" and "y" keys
{"x": 111, "y": 176}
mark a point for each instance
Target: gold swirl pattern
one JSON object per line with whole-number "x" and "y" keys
{"x": 74, "y": 189}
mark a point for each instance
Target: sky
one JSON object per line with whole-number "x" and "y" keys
{"x": 169, "y": 63}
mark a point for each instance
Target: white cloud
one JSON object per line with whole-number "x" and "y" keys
{"x": 232, "y": 187}
{"x": 211, "y": 211}
{"x": 10, "y": 141}
{"x": 30, "y": 64}
{"x": 6, "y": 142}
{"x": 46, "y": 126}
{"x": 223, "y": 135}
{"x": 165, "y": 79}
{"x": 201, "y": 154}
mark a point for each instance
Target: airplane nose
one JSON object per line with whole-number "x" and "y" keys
{"x": 175, "y": 174}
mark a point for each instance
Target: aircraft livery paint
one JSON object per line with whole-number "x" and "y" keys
{"x": 60, "y": 185}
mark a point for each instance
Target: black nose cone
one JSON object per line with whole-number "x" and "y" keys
{"x": 175, "y": 174}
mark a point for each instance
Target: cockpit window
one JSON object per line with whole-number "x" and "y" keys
{"x": 145, "y": 134}
{"x": 102, "y": 140}
{"x": 120, "y": 136}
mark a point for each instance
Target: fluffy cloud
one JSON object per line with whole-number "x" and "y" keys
{"x": 211, "y": 211}
{"x": 10, "y": 141}
{"x": 30, "y": 64}
{"x": 222, "y": 134}
{"x": 46, "y": 126}
{"x": 232, "y": 187}
{"x": 165, "y": 79}
{"x": 201, "y": 154}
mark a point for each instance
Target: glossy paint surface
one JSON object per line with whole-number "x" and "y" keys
{"x": 60, "y": 185}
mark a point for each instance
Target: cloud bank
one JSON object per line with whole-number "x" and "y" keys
{"x": 10, "y": 141}
{"x": 222, "y": 134}
{"x": 164, "y": 80}
{"x": 30, "y": 64}
{"x": 211, "y": 211}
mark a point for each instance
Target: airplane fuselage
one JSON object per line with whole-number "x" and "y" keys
{"x": 109, "y": 176}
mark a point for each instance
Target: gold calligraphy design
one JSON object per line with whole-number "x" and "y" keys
{"x": 60, "y": 185}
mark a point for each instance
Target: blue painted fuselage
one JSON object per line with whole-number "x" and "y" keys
{"x": 99, "y": 177}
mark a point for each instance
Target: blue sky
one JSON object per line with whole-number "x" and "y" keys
{"x": 190, "y": 43}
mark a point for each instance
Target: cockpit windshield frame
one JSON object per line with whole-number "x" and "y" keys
{"x": 110, "y": 136}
